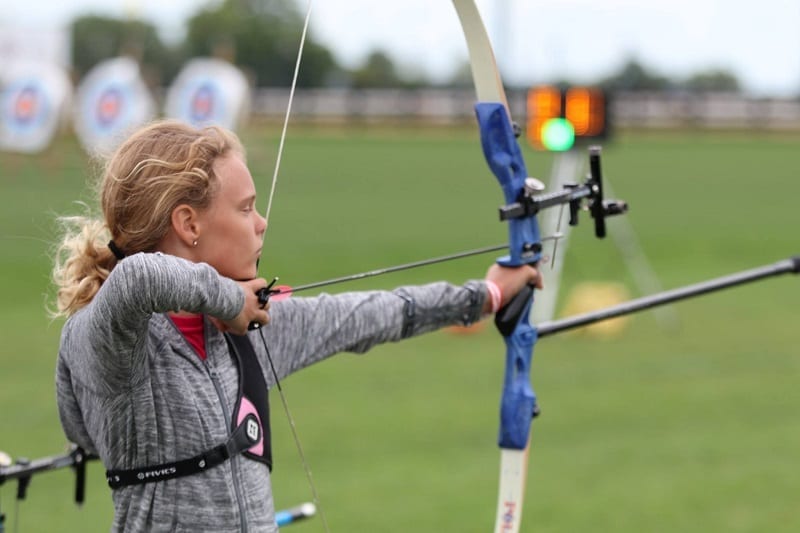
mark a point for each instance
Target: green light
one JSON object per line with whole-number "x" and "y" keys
{"x": 558, "y": 134}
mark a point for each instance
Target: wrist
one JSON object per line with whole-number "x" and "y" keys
{"x": 495, "y": 297}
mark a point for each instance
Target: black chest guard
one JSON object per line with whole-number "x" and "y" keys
{"x": 253, "y": 397}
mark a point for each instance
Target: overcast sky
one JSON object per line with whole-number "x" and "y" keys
{"x": 535, "y": 40}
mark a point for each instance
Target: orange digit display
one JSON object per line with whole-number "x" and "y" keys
{"x": 557, "y": 116}
{"x": 544, "y": 103}
{"x": 585, "y": 108}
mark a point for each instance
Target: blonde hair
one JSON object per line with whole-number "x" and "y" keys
{"x": 160, "y": 167}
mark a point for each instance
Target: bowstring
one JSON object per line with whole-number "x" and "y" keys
{"x": 295, "y": 435}
{"x": 282, "y": 141}
{"x": 281, "y": 144}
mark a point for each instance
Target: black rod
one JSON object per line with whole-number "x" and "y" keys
{"x": 26, "y": 469}
{"x": 791, "y": 265}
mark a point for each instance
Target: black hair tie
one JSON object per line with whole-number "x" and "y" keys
{"x": 119, "y": 254}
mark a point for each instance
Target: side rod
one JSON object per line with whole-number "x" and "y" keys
{"x": 791, "y": 265}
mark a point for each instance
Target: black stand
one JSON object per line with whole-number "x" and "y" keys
{"x": 23, "y": 470}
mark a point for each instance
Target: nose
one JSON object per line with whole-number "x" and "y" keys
{"x": 261, "y": 224}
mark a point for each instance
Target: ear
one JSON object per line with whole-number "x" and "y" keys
{"x": 185, "y": 223}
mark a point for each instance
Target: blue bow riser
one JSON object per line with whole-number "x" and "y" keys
{"x": 504, "y": 156}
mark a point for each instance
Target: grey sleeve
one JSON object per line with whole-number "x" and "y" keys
{"x": 107, "y": 337}
{"x": 305, "y": 330}
{"x": 144, "y": 284}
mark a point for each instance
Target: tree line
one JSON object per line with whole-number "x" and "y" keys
{"x": 262, "y": 36}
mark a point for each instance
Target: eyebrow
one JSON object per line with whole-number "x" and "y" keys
{"x": 248, "y": 199}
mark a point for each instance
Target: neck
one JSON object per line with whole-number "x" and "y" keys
{"x": 183, "y": 314}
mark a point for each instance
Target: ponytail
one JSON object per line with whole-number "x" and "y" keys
{"x": 82, "y": 263}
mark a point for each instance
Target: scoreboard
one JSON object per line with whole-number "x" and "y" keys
{"x": 560, "y": 118}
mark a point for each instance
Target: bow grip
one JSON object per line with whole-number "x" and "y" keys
{"x": 518, "y": 403}
{"x": 504, "y": 157}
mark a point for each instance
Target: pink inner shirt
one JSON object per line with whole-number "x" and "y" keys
{"x": 192, "y": 329}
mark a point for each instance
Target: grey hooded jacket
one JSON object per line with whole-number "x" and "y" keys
{"x": 131, "y": 389}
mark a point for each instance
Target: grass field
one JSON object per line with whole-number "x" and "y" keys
{"x": 690, "y": 428}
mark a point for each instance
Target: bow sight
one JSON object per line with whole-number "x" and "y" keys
{"x": 531, "y": 199}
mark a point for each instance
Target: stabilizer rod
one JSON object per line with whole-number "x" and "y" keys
{"x": 787, "y": 266}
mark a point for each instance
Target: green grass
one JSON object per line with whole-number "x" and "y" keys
{"x": 686, "y": 429}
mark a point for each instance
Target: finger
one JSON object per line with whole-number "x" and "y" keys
{"x": 259, "y": 287}
{"x": 536, "y": 277}
{"x": 263, "y": 318}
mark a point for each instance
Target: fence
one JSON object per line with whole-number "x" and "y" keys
{"x": 656, "y": 110}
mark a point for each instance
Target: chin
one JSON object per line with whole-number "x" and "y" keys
{"x": 241, "y": 274}
{"x": 252, "y": 272}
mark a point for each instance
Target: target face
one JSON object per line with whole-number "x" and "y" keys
{"x": 32, "y": 103}
{"x": 108, "y": 108}
{"x": 112, "y": 102}
{"x": 208, "y": 92}
{"x": 203, "y": 103}
{"x": 25, "y": 107}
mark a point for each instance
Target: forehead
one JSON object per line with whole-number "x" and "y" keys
{"x": 234, "y": 176}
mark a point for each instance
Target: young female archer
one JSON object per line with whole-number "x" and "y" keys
{"x": 156, "y": 372}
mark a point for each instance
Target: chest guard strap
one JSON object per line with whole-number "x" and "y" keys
{"x": 250, "y": 432}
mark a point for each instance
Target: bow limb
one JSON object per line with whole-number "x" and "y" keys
{"x": 504, "y": 157}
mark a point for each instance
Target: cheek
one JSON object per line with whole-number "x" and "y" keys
{"x": 232, "y": 234}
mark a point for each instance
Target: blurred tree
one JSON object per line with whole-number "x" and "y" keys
{"x": 713, "y": 80}
{"x": 461, "y": 77}
{"x": 262, "y": 37}
{"x": 378, "y": 70}
{"x": 96, "y": 38}
{"x": 633, "y": 76}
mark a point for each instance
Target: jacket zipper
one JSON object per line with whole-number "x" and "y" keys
{"x": 234, "y": 460}
{"x": 212, "y": 372}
